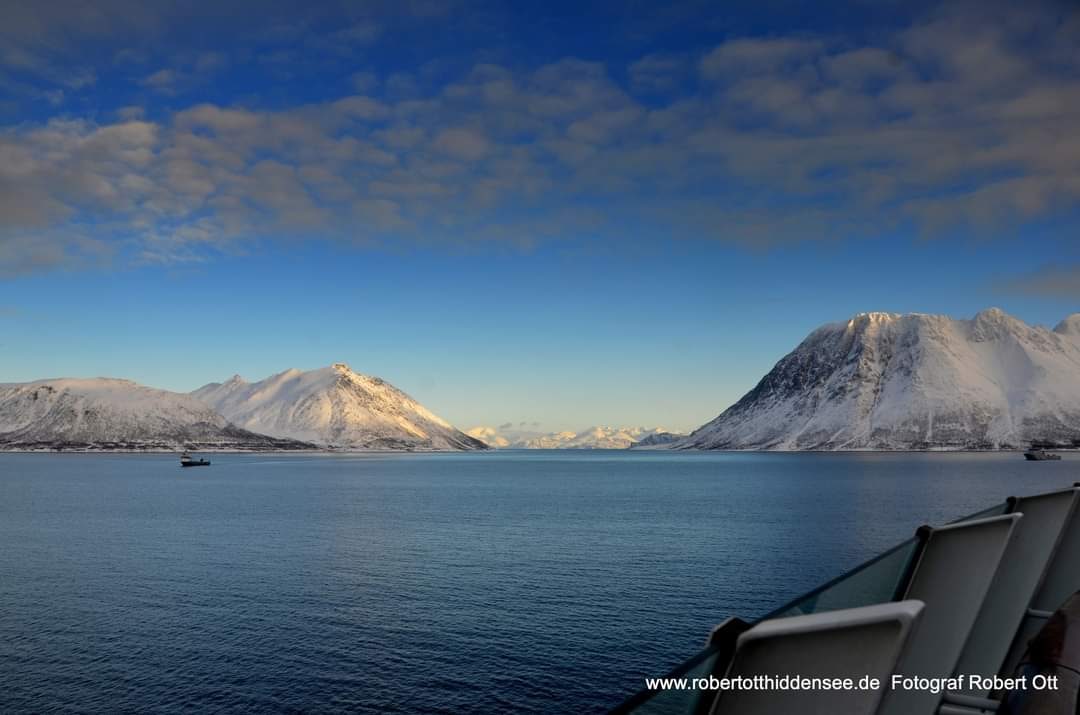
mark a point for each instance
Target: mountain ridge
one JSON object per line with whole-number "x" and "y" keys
{"x": 117, "y": 414}
{"x": 336, "y": 408}
{"x": 911, "y": 381}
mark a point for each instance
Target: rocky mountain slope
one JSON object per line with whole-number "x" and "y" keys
{"x": 657, "y": 439}
{"x": 333, "y": 407}
{"x": 915, "y": 381}
{"x": 106, "y": 413}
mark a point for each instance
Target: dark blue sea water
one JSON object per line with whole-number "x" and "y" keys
{"x": 524, "y": 581}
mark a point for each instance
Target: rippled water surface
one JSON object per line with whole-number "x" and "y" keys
{"x": 526, "y": 581}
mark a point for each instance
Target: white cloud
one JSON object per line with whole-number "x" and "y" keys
{"x": 164, "y": 80}
{"x": 758, "y": 56}
{"x": 462, "y": 143}
{"x": 361, "y": 107}
{"x": 774, "y": 139}
{"x": 1061, "y": 282}
{"x": 364, "y": 81}
{"x": 657, "y": 72}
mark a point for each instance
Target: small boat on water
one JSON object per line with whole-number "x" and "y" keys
{"x": 186, "y": 460}
{"x": 1040, "y": 455}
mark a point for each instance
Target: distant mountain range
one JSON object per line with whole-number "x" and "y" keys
{"x": 600, "y": 437}
{"x": 915, "y": 381}
{"x": 333, "y": 407}
{"x": 879, "y": 381}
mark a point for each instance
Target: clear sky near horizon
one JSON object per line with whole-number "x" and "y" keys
{"x": 561, "y": 214}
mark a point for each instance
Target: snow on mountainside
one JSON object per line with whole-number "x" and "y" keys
{"x": 489, "y": 436}
{"x": 609, "y": 437}
{"x": 657, "y": 439}
{"x": 600, "y": 437}
{"x": 333, "y": 407}
{"x": 106, "y": 413}
{"x": 888, "y": 381}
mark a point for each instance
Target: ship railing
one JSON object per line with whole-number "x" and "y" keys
{"x": 986, "y": 564}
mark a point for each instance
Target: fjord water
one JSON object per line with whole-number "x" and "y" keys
{"x": 524, "y": 581}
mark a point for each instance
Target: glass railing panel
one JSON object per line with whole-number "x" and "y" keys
{"x": 879, "y": 580}
{"x": 676, "y": 701}
{"x": 996, "y": 510}
{"x": 876, "y": 581}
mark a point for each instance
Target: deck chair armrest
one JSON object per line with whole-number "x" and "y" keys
{"x": 968, "y": 704}
{"x": 947, "y": 709}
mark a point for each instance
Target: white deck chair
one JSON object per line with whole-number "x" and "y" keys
{"x": 952, "y": 577}
{"x": 1060, "y": 580}
{"x": 851, "y": 643}
{"x": 1030, "y": 552}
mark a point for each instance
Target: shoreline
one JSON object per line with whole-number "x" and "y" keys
{"x": 323, "y": 451}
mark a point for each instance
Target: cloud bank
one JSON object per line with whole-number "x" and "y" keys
{"x": 961, "y": 119}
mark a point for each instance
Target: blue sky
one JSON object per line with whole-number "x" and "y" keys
{"x": 618, "y": 213}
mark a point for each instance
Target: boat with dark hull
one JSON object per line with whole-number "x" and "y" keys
{"x": 1040, "y": 455}
{"x": 186, "y": 460}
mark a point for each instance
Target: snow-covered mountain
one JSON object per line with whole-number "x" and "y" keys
{"x": 491, "y": 436}
{"x": 603, "y": 437}
{"x": 657, "y": 439}
{"x": 106, "y": 413}
{"x": 599, "y": 437}
{"x": 888, "y": 381}
{"x": 333, "y": 407}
